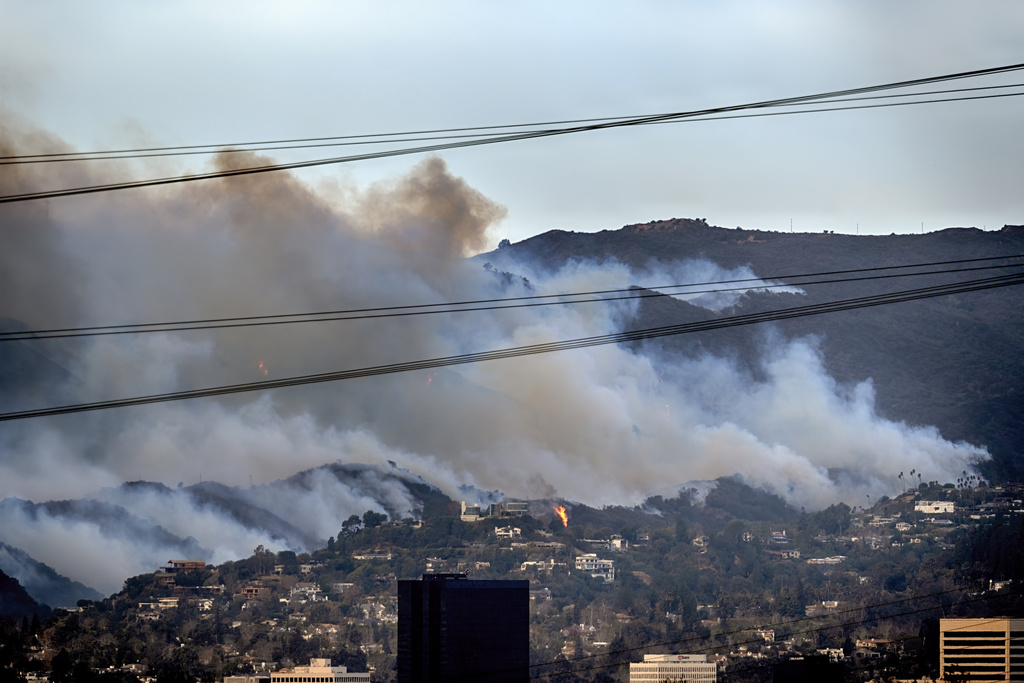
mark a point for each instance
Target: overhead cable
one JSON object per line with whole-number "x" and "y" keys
{"x": 438, "y": 134}
{"x": 535, "y": 349}
{"x": 600, "y": 125}
{"x": 562, "y": 299}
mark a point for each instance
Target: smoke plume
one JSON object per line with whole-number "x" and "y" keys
{"x": 604, "y": 425}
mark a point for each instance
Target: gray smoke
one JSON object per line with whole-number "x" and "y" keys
{"x": 601, "y": 426}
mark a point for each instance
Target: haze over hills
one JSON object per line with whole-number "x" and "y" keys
{"x": 798, "y": 415}
{"x": 818, "y": 409}
{"x": 955, "y": 362}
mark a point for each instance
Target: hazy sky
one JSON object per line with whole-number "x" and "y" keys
{"x": 603, "y": 425}
{"x": 127, "y": 73}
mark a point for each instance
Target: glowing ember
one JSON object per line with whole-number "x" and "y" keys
{"x": 560, "y": 509}
{"x": 263, "y": 369}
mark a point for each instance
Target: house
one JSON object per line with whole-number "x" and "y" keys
{"x": 935, "y": 507}
{"x": 174, "y": 566}
{"x": 254, "y": 592}
{"x": 470, "y": 513}
{"x": 507, "y": 532}
{"x": 374, "y": 555}
{"x": 598, "y": 568}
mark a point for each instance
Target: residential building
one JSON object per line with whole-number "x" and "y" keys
{"x": 932, "y": 507}
{"x": 174, "y": 566}
{"x": 660, "y": 668}
{"x": 508, "y": 532}
{"x": 453, "y": 629}
{"x": 470, "y": 513}
{"x": 598, "y": 568}
{"x": 321, "y": 671}
{"x": 981, "y": 649}
{"x": 508, "y": 509}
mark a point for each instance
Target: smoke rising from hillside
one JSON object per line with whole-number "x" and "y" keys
{"x": 603, "y": 426}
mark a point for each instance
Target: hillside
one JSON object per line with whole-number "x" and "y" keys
{"x": 41, "y": 582}
{"x": 701, "y": 576}
{"x": 953, "y": 362}
{"x": 16, "y": 602}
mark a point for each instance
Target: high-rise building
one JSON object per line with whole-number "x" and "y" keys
{"x": 453, "y": 629}
{"x": 981, "y": 649}
{"x": 661, "y": 668}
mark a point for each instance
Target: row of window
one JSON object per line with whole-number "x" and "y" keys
{"x": 341, "y": 678}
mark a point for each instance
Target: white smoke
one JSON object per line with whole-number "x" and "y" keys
{"x": 601, "y": 426}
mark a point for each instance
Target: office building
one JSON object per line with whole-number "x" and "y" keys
{"x": 451, "y": 628}
{"x": 660, "y": 668}
{"x": 318, "y": 671}
{"x": 981, "y": 649}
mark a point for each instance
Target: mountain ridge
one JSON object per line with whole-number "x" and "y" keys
{"x": 952, "y": 362}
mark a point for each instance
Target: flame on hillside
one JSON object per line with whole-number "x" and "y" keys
{"x": 263, "y": 369}
{"x": 560, "y": 511}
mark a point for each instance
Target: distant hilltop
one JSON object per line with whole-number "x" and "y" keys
{"x": 944, "y": 361}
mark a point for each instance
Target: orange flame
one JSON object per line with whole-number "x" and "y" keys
{"x": 560, "y": 510}
{"x": 263, "y": 369}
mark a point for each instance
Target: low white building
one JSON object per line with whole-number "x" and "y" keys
{"x": 659, "y": 668}
{"x": 508, "y": 532}
{"x": 319, "y": 670}
{"x": 933, "y": 507}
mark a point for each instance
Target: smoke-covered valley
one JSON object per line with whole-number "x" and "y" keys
{"x": 604, "y": 426}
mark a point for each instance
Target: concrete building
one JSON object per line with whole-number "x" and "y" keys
{"x": 981, "y": 649}
{"x": 470, "y": 513}
{"x": 598, "y": 568}
{"x": 453, "y": 629}
{"x": 318, "y": 671}
{"x": 660, "y": 668}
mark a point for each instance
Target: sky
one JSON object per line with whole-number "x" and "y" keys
{"x": 138, "y": 74}
{"x": 607, "y": 425}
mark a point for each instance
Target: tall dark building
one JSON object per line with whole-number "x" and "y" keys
{"x": 454, "y": 630}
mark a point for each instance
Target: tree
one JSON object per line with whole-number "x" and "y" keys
{"x": 373, "y": 519}
{"x": 350, "y": 526}
{"x": 61, "y": 667}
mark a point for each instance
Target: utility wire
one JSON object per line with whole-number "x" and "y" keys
{"x": 270, "y": 168}
{"x": 632, "y": 292}
{"x": 643, "y": 120}
{"x": 535, "y": 349}
{"x": 392, "y": 138}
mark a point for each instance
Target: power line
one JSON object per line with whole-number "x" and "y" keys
{"x": 643, "y": 120}
{"x": 632, "y": 292}
{"x": 270, "y": 168}
{"x": 391, "y": 138}
{"x": 535, "y": 349}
